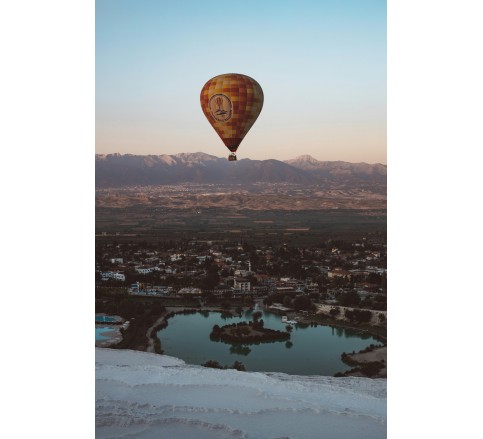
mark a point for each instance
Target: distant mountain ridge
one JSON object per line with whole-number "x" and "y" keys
{"x": 117, "y": 170}
{"x": 339, "y": 169}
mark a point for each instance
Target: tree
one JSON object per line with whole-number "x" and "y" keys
{"x": 334, "y": 312}
{"x": 238, "y": 365}
{"x": 210, "y": 281}
{"x": 240, "y": 349}
{"x": 350, "y": 299}
{"x": 302, "y": 302}
{"x": 216, "y": 329}
{"x": 257, "y": 315}
{"x": 207, "y": 296}
{"x": 361, "y": 316}
{"x": 213, "y": 364}
{"x": 261, "y": 324}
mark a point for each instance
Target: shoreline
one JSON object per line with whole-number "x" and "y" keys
{"x": 373, "y": 328}
{"x": 113, "y": 336}
{"x": 153, "y": 341}
{"x": 370, "y": 362}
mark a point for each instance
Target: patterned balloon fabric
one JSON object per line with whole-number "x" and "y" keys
{"x": 232, "y": 103}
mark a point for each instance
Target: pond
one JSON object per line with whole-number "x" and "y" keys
{"x": 105, "y": 319}
{"x": 310, "y": 351}
{"x": 100, "y": 330}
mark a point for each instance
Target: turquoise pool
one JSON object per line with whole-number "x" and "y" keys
{"x": 101, "y": 330}
{"x": 105, "y": 319}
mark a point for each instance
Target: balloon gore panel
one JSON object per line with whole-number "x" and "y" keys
{"x": 231, "y": 103}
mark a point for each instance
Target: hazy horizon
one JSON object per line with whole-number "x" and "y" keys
{"x": 321, "y": 64}
{"x": 223, "y": 156}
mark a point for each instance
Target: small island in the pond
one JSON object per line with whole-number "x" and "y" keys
{"x": 247, "y": 332}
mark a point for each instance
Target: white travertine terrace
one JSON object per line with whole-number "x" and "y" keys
{"x": 145, "y": 395}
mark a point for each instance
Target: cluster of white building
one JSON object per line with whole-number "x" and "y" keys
{"x": 116, "y": 275}
{"x": 192, "y": 264}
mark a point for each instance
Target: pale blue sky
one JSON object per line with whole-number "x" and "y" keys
{"x": 321, "y": 64}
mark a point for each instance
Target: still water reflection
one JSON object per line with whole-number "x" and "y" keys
{"x": 310, "y": 351}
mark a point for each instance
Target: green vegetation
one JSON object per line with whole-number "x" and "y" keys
{"x": 192, "y": 260}
{"x": 247, "y": 332}
{"x": 240, "y": 349}
{"x": 369, "y": 369}
{"x": 349, "y": 299}
{"x": 142, "y": 223}
{"x": 141, "y": 313}
{"x": 215, "y": 365}
{"x": 334, "y": 312}
{"x": 358, "y": 315}
{"x": 257, "y": 315}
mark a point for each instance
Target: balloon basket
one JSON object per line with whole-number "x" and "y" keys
{"x": 232, "y": 157}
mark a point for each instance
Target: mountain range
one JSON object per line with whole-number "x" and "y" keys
{"x": 117, "y": 170}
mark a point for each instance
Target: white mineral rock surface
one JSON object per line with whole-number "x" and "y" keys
{"x": 145, "y": 395}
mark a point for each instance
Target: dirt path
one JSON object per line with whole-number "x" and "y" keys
{"x": 149, "y": 333}
{"x": 379, "y": 354}
{"x": 325, "y": 309}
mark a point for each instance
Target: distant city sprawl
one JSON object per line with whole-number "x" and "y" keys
{"x": 339, "y": 272}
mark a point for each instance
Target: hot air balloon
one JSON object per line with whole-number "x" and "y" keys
{"x": 232, "y": 103}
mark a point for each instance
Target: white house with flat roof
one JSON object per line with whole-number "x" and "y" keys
{"x": 144, "y": 270}
{"x": 241, "y": 284}
{"x": 116, "y": 275}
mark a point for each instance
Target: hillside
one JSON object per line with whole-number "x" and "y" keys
{"x": 116, "y": 170}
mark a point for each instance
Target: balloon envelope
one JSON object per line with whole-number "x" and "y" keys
{"x": 232, "y": 103}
